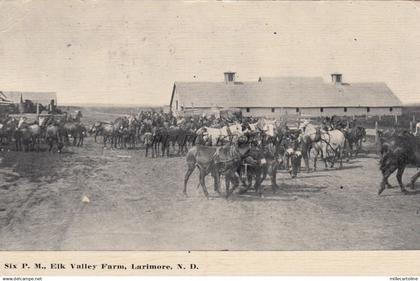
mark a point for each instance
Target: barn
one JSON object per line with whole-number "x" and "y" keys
{"x": 274, "y": 97}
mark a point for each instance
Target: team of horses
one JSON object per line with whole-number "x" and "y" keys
{"x": 29, "y": 135}
{"x": 248, "y": 153}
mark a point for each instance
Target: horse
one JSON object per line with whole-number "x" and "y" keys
{"x": 214, "y": 160}
{"x": 355, "y": 136}
{"x": 27, "y": 135}
{"x": 310, "y": 134}
{"x": 330, "y": 146}
{"x": 97, "y": 129}
{"x": 257, "y": 164}
{"x": 132, "y": 131}
{"x": 118, "y": 128}
{"x": 398, "y": 151}
{"x": 75, "y": 130}
{"x": 7, "y": 129}
{"x": 108, "y": 134}
{"x": 53, "y": 136}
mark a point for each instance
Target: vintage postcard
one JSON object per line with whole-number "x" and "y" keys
{"x": 209, "y": 137}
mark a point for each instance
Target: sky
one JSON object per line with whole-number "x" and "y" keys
{"x": 131, "y": 52}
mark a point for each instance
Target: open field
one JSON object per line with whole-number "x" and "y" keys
{"x": 137, "y": 204}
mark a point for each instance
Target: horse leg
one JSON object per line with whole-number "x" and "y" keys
{"x": 257, "y": 186}
{"x": 400, "y": 172}
{"x": 191, "y": 168}
{"x": 153, "y": 149}
{"x": 333, "y": 159}
{"x": 413, "y": 179}
{"x": 163, "y": 148}
{"x": 358, "y": 147}
{"x": 385, "y": 175}
{"x": 305, "y": 154}
{"x": 227, "y": 184}
{"x": 340, "y": 155}
{"x": 324, "y": 157}
{"x": 315, "y": 158}
{"x": 203, "y": 182}
{"x": 216, "y": 177}
{"x": 37, "y": 141}
{"x": 50, "y": 144}
{"x": 273, "y": 176}
{"x": 349, "y": 150}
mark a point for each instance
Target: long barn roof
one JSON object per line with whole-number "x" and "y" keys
{"x": 285, "y": 92}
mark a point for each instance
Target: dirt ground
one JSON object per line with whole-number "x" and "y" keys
{"x": 136, "y": 203}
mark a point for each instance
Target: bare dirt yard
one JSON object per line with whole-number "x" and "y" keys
{"x": 136, "y": 203}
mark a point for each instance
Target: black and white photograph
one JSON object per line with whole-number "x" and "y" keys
{"x": 209, "y": 125}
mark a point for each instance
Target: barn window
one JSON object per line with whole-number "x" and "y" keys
{"x": 390, "y": 109}
{"x": 248, "y": 109}
{"x": 321, "y": 109}
{"x": 297, "y": 109}
{"x": 345, "y": 109}
{"x": 273, "y": 109}
{"x": 368, "y": 109}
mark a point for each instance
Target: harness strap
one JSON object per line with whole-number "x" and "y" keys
{"x": 329, "y": 144}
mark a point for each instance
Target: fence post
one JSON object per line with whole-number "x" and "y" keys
{"x": 411, "y": 126}
{"x": 376, "y": 132}
{"x": 396, "y": 119}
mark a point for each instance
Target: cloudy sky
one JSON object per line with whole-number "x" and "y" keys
{"x": 131, "y": 52}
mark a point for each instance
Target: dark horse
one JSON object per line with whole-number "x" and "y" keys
{"x": 354, "y": 137}
{"x": 214, "y": 161}
{"x": 398, "y": 151}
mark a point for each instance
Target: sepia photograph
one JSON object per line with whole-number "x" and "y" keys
{"x": 209, "y": 126}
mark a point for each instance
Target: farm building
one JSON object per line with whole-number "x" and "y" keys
{"x": 27, "y": 102}
{"x": 16, "y": 97}
{"x": 273, "y": 97}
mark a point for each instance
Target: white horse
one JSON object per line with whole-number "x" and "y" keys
{"x": 331, "y": 147}
{"x": 218, "y": 135}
